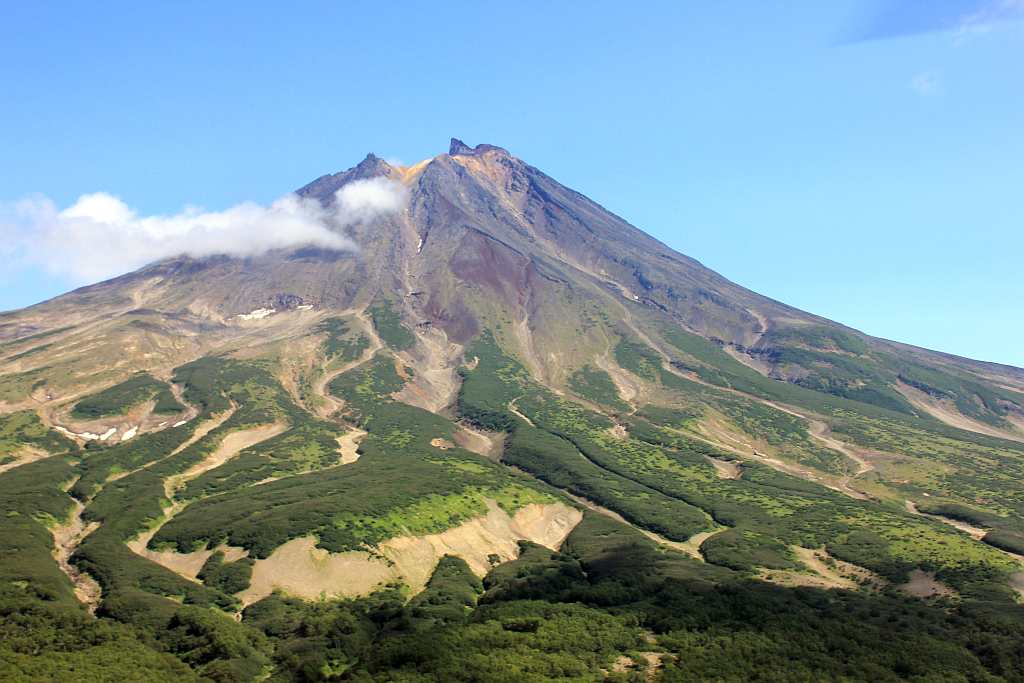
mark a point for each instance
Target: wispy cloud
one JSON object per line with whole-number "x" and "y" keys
{"x": 100, "y": 235}
{"x": 896, "y": 18}
{"x": 926, "y": 84}
{"x": 983, "y": 18}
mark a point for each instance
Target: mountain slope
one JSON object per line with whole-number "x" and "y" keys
{"x": 503, "y": 369}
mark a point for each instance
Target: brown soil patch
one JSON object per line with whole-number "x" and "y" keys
{"x": 436, "y": 381}
{"x": 442, "y": 444}
{"x": 824, "y": 571}
{"x": 299, "y": 568}
{"x": 348, "y": 445}
{"x": 619, "y": 432}
{"x": 923, "y": 584}
{"x": 726, "y": 469}
{"x": 230, "y": 446}
{"x": 488, "y": 444}
{"x": 529, "y": 355}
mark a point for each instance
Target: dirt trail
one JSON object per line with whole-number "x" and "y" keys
{"x": 820, "y": 431}
{"x": 515, "y": 411}
{"x": 189, "y": 564}
{"x": 719, "y": 438}
{"x": 24, "y": 456}
{"x": 299, "y": 568}
{"x": 816, "y": 564}
{"x": 66, "y": 539}
{"x": 330, "y": 403}
{"x": 825, "y": 571}
{"x": 230, "y": 446}
{"x": 690, "y": 546}
{"x": 975, "y": 532}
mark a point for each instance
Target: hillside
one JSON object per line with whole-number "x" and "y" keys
{"x": 509, "y": 437}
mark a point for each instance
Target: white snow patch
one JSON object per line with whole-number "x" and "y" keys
{"x": 88, "y": 436}
{"x": 107, "y": 434}
{"x": 258, "y": 314}
{"x": 130, "y": 433}
{"x": 419, "y": 246}
{"x": 178, "y": 424}
{"x": 304, "y": 307}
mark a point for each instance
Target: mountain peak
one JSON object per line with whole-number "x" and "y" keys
{"x": 460, "y": 148}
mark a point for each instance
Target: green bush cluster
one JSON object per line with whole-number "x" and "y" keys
{"x": 121, "y": 398}
{"x": 390, "y": 328}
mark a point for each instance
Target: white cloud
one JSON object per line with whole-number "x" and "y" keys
{"x": 985, "y": 16}
{"x": 100, "y": 236}
{"x": 926, "y": 84}
{"x": 362, "y": 200}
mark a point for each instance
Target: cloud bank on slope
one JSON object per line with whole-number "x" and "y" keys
{"x": 100, "y": 236}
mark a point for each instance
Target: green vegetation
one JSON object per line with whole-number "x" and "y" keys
{"x": 340, "y": 341}
{"x": 389, "y": 326}
{"x": 611, "y": 605}
{"x": 227, "y": 577}
{"x": 826, "y": 338}
{"x": 401, "y": 483}
{"x": 596, "y": 385}
{"x": 18, "y": 430}
{"x": 121, "y": 398}
{"x": 985, "y": 402}
{"x": 657, "y": 477}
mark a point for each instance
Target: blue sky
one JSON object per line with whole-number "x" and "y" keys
{"x": 860, "y": 160}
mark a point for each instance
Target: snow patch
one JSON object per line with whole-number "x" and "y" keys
{"x": 304, "y": 307}
{"x": 130, "y": 433}
{"x": 178, "y": 424}
{"x": 107, "y": 434}
{"x": 258, "y": 314}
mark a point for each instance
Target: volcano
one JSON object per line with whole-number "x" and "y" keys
{"x": 506, "y": 419}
